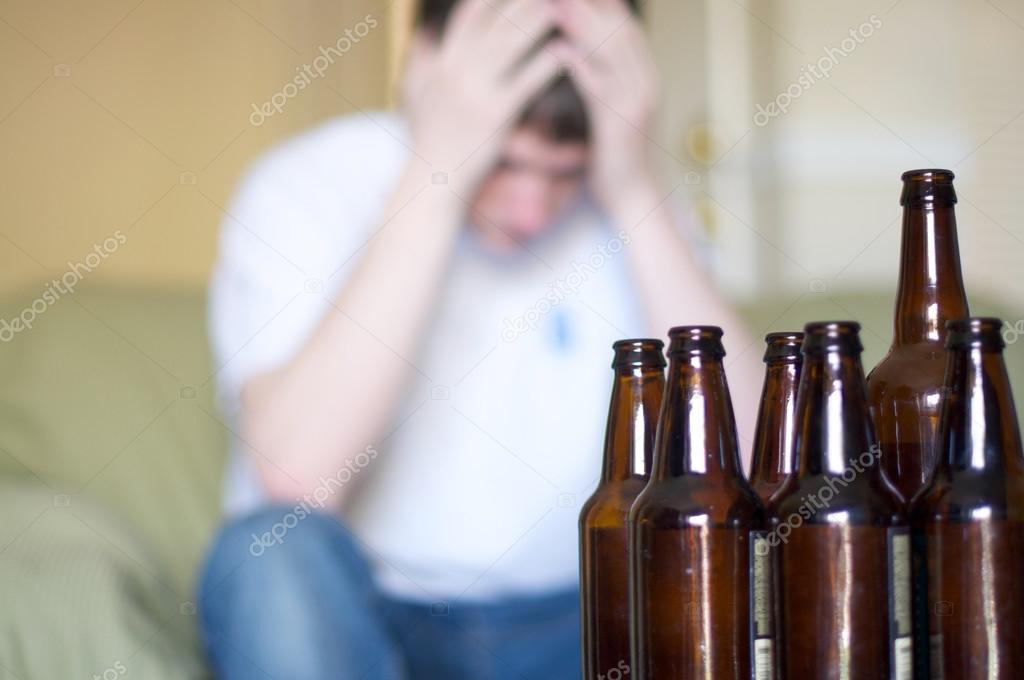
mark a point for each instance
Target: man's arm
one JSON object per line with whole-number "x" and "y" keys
{"x": 337, "y": 395}
{"x": 618, "y": 79}
{"x": 676, "y": 291}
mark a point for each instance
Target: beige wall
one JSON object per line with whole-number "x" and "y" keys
{"x": 809, "y": 201}
{"x": 110, "y": 110}
{"x": 121, "y": 115}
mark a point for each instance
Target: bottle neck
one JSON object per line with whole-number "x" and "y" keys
{"x": 834, "y": 426}
{"x": 773, "y": 444}
{"x": 697, "y": 432}
{"x": 931, "y": 287}
{"x": 632, "y": 422}
{"x": 979, "y": 430}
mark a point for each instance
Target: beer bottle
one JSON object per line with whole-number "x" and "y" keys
{"x": 773, "y": 438}
{"x": 639, "y": 367}
{"x": 695, "y": 582}
{"x": 904, "y": 388}
{"x": 838, "y": 530}
{"x": 969, "y": 520}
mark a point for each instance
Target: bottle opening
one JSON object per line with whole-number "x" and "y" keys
{"x": 928, "y": 186}
{"x": 784, "y": 346}
{"x": 823, "y": 336}
{"x": 984, "y": 332}
{"x": 696, "y": 340}
{"x": 639, "y": 352}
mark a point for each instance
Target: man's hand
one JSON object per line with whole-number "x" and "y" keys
{"x": 617, "y": 78}
{"x": 463, "y": 93}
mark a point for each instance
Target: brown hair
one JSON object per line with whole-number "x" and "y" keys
{"x": 557, "y": 112}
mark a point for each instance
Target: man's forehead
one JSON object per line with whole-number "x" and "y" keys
{"x": 525, "y": 146}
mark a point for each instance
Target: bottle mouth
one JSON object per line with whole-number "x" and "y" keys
{"x": 696, "y": 340}
{"x": 980, "y": 332}
{"x": 928, "y": 186}
{"x": 928, "y": 175}
{"x": 783, "y": 346}
{"x": 639, "y": 353}
{"x": 826, "y": 336}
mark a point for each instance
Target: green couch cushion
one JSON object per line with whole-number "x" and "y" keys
{"x": 83, "y": 598}
{"x": 108, "y": 398}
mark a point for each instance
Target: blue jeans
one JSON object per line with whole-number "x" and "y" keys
{"x": 306, "y": 608}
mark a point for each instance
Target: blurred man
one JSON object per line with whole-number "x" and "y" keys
{"x": 413, "y": 313}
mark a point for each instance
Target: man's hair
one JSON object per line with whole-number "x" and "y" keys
{"x": 557, "y": 112}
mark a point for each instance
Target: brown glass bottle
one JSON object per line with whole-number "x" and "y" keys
{"x": 838, "y": 530}
{"x": 772, "y": 456}
{"x": 695, "y": 613}
{"x": 904, "y": 389}
{"x": 969, "y": 520}
{"x": 639, "y": 367}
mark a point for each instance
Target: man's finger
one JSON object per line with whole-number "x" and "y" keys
{"x": 521, "y": 28}
{"x": 535, "y": 75}
{"x": 469, "y": 18}
{"x": 592, "y": 25}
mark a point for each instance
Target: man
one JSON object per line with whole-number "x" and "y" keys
{"x": 414, "y": 313}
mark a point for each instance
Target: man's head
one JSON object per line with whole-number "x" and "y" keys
{"x": 543, "y": 165}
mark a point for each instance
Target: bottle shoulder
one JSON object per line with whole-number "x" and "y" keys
{"x": 966, "y": 495}
{"x": 610, "y": 503}
{"x": 824, "y": 499}
{"x": 690, "y": 500}
{"x": 908, "y": 369}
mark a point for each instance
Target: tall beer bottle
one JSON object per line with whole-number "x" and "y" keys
{"x": 838, "y": 529}
{"x": 701, "y": 602}
{"x": 904, "y": 388}
{"x": 639, "y": 367}
{"x": 969, "y": 520}
{"x": 772, "y": 459}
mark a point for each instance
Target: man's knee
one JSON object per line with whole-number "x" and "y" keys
{"x": 275, "y": 580}
{"x": 279, "y": 542}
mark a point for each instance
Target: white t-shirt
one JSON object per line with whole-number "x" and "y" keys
{"x": 498, "y": 440}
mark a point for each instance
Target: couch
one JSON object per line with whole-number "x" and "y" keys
{"x": 111, "y": 450}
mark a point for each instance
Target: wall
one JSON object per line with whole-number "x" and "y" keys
{"x": 135, "y": 116}
{"x": 129, "y": 116}
{"x": 806, "y": 201}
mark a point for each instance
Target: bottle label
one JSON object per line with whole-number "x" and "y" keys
{"x": 900, "y": 597}
{"x": 761, "y": 611}
{"x": 935, "y": 652}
